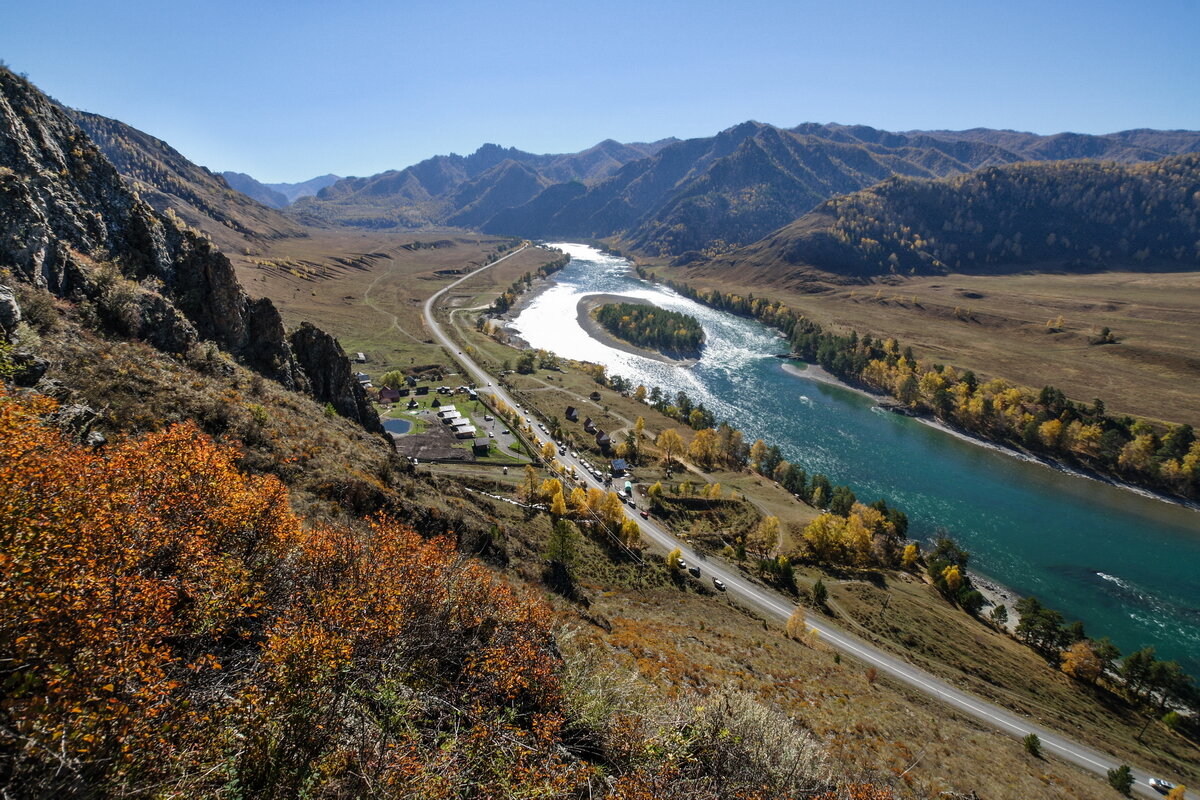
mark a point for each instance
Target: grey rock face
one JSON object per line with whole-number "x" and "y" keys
{"x": 64, "y": 209}
{"x": 10, "y": 312}
{"x": 324, "y": 362}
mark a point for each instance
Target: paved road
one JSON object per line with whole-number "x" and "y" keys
{"x": 781, "y": 608}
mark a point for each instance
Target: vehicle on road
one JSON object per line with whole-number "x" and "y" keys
{"x": 682, "y": 563}
{"x": 1161, "y": 786}
{"x": 645, "y": 514}
{"x": 718, "y": 584}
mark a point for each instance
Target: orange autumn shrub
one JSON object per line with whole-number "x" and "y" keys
{"x": 165, "y": 620}
{"x": 122, "y": 578}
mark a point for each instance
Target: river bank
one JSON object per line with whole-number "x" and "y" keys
{"x": 819, "y": 374}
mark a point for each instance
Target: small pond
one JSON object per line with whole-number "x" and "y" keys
{"x": 397, "y": 425}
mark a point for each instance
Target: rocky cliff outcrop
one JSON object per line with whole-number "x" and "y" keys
{"x": 331, "y": 379}
{"x": 68, "y": 223}
{"x": 71, "y": 225}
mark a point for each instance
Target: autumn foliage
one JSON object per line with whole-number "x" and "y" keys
{"x": 167, "y": 620}
{"x": 168, "y": 626}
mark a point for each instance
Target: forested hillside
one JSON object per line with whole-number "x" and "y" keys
{"x": 1073, "y": 215}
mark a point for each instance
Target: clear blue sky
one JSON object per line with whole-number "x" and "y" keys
{"x": 286, "y": 91}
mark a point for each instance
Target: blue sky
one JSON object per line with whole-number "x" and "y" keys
{"x": 286, "y": 91}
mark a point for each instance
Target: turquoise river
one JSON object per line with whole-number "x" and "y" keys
{"x": 1128, "y": 565}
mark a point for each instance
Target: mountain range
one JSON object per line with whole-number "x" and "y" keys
{"x": 693, "y": 198}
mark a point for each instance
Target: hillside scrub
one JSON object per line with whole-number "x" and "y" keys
{"x": 167, "y": 621}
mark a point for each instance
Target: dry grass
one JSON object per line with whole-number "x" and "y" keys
{"x": 921, "y": 626}
{"x": 367, "y": 288}
{"x": 873, "y": 731}
{"x": 1000, "y": 329}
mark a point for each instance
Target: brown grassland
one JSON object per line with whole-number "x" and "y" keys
{"x": 996, "y": 325}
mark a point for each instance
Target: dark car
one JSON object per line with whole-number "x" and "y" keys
{"x": 645, "y": 514}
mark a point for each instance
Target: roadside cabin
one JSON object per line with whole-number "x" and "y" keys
{"x": 480, "y": 446}
{"x": 603, "y": 441}
{"x": 594, "y": 397}
{"x": 572, "y": 414}
{"x": 465, "y": 432}
{"x": 389, "y": 395}
{"x": 421, "y": 391}
{"x": 360, "y": 358}
{"x": 619, "y": 465}
{"x": 589, "y": 426}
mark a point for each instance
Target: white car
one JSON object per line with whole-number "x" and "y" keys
{"x": 1161, "y": 786}
{"x": 719, "y": 584}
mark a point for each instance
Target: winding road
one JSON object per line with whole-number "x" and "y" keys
{"x": 781, "y": 608}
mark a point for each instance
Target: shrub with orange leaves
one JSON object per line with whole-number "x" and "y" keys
{"x": 123, "y": 579}
{"x": 164, "y": 616}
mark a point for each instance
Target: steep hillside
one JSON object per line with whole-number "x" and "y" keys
{"x": 1124, "y": 146}
{"x": 1073, "y": 215}
{"x": 70, "y": 225}
{"x": 165, "y": 179}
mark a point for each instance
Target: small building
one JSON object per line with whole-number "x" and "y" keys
{"x": 594, "y": 397}
{"x": 411, "y": 381}
{"x": 389, "y": 395}
{"x": 413, "y": 404}
{"x": 572, "y": 414}
{"x": 421, "y": 391}
{"x": 472, "y": 394}
{"x": 403, "y": 392}
{"x": 589, "y": 426}
{"x": 619, "y": 465}
{"x": 362, "y": 377}
{"x": 360, "y": 358}
{"x": 465, "y": 432}
{"x": 603, "y": 441}
{"x": 480, "y": 446}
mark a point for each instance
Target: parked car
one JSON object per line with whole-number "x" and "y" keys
{"x": 682, "y": 563}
